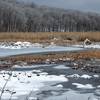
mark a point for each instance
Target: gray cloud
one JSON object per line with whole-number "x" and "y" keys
{"x": 84, "y": 5}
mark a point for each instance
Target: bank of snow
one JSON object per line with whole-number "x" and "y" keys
{"x": 18, "y": 45}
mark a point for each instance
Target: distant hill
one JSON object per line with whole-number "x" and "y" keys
{"x": 18, "y": 16}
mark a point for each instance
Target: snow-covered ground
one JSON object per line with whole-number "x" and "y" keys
{"x": 21, "y": 45}
{"x": 93, "y": 45}
{"x": 18, "y": 45}
{"x": 23, "y": 82}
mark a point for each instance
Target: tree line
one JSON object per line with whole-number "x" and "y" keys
{"x": 18, "y": 16}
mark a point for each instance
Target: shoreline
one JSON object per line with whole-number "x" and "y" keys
{"x": 85, "y": 60}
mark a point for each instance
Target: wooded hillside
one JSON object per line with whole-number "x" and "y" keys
{"x": 18, "y": 16}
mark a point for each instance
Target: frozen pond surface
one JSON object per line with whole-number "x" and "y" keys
{"x": 49, "y": 82}
{"x": 17, "y": 48}
{"x": 9, "y": 52}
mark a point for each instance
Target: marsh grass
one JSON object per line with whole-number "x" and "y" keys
{"x": 43, "y": 37}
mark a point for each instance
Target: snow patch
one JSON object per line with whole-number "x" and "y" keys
{"x": 74, "y": 76}
{"x": 86, "y": 76}
{"x": 80, "y": 76}
{"x": 95, "y": 46}
{"x": 81, "y": 86}
{"x": 33, "y": 98}
{"x": 60, "y": 86}
{"x": 98, "y": 86}
{"x": 23, "y": 82}
{"x": 61, "y": 67}
{"x": 18, "y": 45}
{"x": 96, "y": 76}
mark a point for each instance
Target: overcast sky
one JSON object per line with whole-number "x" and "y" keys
{"x": 84, "y": 5}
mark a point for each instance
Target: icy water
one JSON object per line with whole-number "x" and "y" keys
{"x": 35, "y": 50}
{"x": 50, "y": 82}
